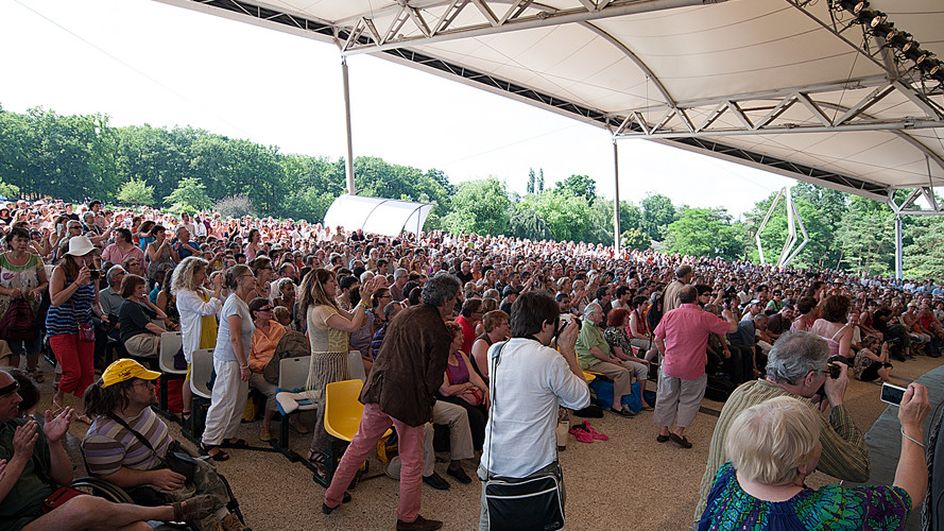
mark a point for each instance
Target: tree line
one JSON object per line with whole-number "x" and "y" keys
{"x": 81, "y": 156}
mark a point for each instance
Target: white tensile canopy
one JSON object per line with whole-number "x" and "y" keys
{"x": 375, "y": 215}
{"x": 802, "y": 88}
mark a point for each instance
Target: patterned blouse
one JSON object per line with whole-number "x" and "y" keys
{"x": 616, "y": 337}
{"x": 873, "y": 507}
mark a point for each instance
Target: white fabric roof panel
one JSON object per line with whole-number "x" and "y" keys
{"x": 603, "y": 63}
{"x": 376, "y": 215}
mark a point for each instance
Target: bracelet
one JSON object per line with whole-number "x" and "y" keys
{"x": 910, "y": 438}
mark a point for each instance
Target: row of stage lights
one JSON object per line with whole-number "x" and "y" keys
{"x": 876, "y": 23}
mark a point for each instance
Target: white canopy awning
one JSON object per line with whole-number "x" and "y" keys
{"x": 790, "y": 86}
{"x": 376, "y": 215}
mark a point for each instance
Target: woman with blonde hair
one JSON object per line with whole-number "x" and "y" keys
{"x": 197, "y": 307}
{"x": 772, "y": 447}
{"x": 329, "y": 331}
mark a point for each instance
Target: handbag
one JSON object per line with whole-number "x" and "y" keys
{"x": 177, "y": 458}
{"x": 522, "y": 504}
{"x": 86, "y": 332}
{"x": 59, "y": 497}
{"x": 17, "y": 324}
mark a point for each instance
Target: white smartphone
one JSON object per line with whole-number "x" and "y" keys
{"x": 892, "y": 394}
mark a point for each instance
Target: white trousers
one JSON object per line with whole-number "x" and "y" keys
{"x": 227, "y": 403}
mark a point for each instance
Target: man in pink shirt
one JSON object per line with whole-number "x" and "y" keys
{"x": 123, "y": 248}
{"x": 682, "y": 338}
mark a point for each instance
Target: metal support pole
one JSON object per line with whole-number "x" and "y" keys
{"x": 899, "y": 252}
{"x": 616, "y": 200}
{"x": 347, "y": 126}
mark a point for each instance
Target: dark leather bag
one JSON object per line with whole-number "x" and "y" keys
{"x": 17, "y": 324}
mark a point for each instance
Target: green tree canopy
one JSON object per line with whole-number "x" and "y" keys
{"x": 705, "y": 232}
{"x": 189, "y": 196}
{"x": 577, "y": 185}
{"x": 657, "y": 213}
{"x": 136, "y": 192}
{"x": 480, "y": 207}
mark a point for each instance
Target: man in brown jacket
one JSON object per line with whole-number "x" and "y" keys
{"x": 401, "y": 391}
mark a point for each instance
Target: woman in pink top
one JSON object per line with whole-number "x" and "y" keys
{"x": 833, "y": 326}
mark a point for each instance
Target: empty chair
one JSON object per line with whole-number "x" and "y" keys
{"x": 292, "y": 397}
{"x": 343, "y": 412}
{"x": 171, "y": 343}
{"x": 201, "y": 371}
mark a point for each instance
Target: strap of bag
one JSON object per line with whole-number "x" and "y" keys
{"x": 139, "y": 437}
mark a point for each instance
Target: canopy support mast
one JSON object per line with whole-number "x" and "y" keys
{"x": 349, "y": 166}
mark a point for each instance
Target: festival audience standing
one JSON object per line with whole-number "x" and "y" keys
{"x": 74, "y": 299}
{"x": 399, "y": 392}
{"x": 22, "y": 282}
{"x": 833, "y": 326}
{"x": 231, "y": 364}
{"x": 683, "y": 276}
{"x": 530, "y": 382}
{"x": 682, "y": 339}
{"x": 329, "y": 328}
{"x": 197, "y": 308}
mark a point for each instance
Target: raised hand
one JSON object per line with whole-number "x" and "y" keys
{"x": 24, "y": 439}
{"x": 57, "y": 425}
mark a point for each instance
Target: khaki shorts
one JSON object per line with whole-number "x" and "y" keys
{"x": 143, "y": 345}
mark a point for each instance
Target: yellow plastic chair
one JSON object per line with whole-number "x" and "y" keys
{"x": 342, "y": 416}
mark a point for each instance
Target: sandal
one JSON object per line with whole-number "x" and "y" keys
{"x": 194, "y": 509}
{"x": 36, "y": 375}
{"x": 317, "y": 459}
{"x": 581, "y": 434}
{"x": 234, "y": 443}
{"x": 682, "y": 441}
{"x": 344, "y": 499}
{"x": 218, "y": 455}
{"x": 265, "y": 435}
{"x": 663, "y": 438}
{"x": 186, "y": 415}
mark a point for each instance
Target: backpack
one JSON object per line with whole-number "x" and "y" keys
{"x": 932, "y": 515}
{"x": 18, "y": 323}
{"x": 292, "y": 345}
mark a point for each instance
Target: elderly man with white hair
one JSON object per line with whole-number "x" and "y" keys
{"x": 594, "y": 354}
{"x": 797, "y": 367}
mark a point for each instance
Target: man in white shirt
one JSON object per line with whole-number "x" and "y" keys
{"x": 530, "y": 381}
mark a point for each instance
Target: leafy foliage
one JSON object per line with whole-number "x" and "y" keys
{"x": 235, "y": 206}
{"x": 657, "y": 213}
{"x": 579, "y": 186}
{"x": 480, "y": 207}
{"x": 189, "y": 196}
{"x": 136, "y": 192}
{"x": 705, "y": 232}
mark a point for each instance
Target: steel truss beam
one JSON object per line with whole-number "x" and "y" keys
{"x": 853, "y": 119}
{"x": 323, "y": 31}
{"x": 490, "y": 20}
{"x": 908, "y": 206}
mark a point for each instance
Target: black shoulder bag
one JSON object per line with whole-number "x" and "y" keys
{"x": 522, "y": 504}
{"x": 177, "y": 458}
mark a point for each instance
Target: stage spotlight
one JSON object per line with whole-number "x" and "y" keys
{"x": 932, "y": 67}
{"x": 885, "y": 30}
{"x": 872, "y": 18}
{"x": 917, "y": 54}
{"x": 855, "y": 6}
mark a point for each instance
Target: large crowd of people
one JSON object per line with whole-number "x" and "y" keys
{"x": 429, "y": 315}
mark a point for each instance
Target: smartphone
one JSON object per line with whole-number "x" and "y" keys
{"x": 892, "y": 394}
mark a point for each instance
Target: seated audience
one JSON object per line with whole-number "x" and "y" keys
{"x": 141, "y": 337}
{"x": 464, "y": 387}
{"x": 594, "y": 354}
{"x": 495, "y": 324}
{"x": 265, "y": 338}
{"x": 869, "y": 366}
{"x": 618, "y": 340}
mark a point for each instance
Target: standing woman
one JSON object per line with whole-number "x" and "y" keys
{"x": 73, "y": 299}
{"x": 254, "y": 245}
{"x": 329, "y": 329}
{"x": 197, "y": 308}
{"x": 833, "y": 326}
{"x": 231, "y": 363}
{"x": 22, "y": 276}
{"x": 159, "y": 253}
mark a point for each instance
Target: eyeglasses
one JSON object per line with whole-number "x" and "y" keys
{"x": 264, "y": 310}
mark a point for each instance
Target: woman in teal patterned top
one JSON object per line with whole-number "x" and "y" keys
{"x": 773, "y": 448}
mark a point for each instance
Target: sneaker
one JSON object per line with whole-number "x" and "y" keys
{"x": 420, "y": 524}
{"x": 435, "y": 481}
{"x": 459, "y": 474}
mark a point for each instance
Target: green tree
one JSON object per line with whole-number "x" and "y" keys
{"x": 657, "y": 213}
{"x": 866, "y": 235}
{"x": 630, "y": 216}
{"x": 189, "y": 196}
{"x": 526, "y": 223}
{"x": 578, "y": 185}
{"x": 635, "y": 239}
{"x": 479, "y": 207}
{"x": 531, "y": 181}
{"x": 540, "y": 187}
{"x": 705, "y": 232}
{"x": 136, "y": 192}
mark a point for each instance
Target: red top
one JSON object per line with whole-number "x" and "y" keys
{"x": 468, "y": 333}
{"x": 685, "y": 331}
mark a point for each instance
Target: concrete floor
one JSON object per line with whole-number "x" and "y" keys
{"x": 629, "y": 482}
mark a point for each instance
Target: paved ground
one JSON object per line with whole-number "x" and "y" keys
{"x": 628, "y": 482}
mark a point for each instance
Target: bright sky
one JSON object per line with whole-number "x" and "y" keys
{"x": 141, "y": 61}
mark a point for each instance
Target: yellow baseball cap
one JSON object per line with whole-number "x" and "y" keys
{"x": 126, "y": 369}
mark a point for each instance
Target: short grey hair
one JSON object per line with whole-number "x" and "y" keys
{"x": 794, "y": 355}
{"x": 440, "y": 288}
{"x": 590, "y": 308}
{"x": 112, "y": 271}
{"x": 399, "y": 272}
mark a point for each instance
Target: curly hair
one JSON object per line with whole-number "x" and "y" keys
{"x": 182, "y": 278}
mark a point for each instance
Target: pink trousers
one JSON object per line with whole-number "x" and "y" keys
{"x": 374, "y": 423}
{"x": 77, "y": 359}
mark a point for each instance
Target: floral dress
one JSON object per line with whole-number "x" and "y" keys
{"x": 868, "y": 508}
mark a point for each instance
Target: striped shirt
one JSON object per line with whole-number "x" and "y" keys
{"x": 844, "y": 453}
{"x": 65, "y": 318}
{"x": 108, "y": 446}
